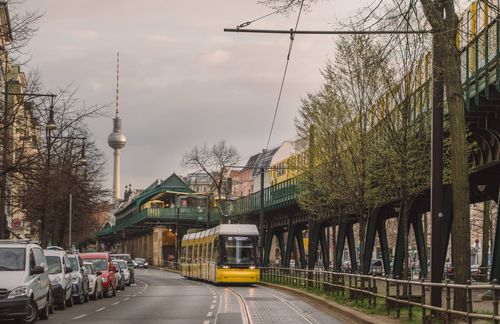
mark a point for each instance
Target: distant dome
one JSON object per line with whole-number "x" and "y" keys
{"x": 117, "y": 140}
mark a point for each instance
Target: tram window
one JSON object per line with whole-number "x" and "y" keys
{"x": 195, "y": 254}
{"x": 183, "y": 254}
{"x": 216, "y": 256}
{"x": 203, "y": 251}
{"x": 209, "y": 252}
{"x": 189, "y": 254}
{"x": 239, "y": 250}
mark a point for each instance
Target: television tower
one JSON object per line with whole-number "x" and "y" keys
{"x": 117, "y": 139}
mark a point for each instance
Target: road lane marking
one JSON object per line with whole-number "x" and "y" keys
{"x": 212, "y": 306}
{"x": 126, "y": 299}
{"x": 78, "y": 317}
{"x": 206, "y": 322}
{"x": 134, "y": 295}
{"x": 100, "y": 309}
{"x": 116, "y": 303}
{"x": 209, "y": 314}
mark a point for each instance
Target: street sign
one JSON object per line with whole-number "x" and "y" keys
{"x": 16, "y": 223}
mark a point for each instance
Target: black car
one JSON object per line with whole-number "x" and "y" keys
{"x": 141, "y": 263}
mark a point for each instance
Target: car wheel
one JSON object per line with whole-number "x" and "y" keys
{"x": 62, "y": 305}
{"x": 79, "y": 299}
{"x": 87, "y": 297}
{"x": 52, "y": 306}
{"x": 69, "y": 301}
{"x": 31, "y": 313}
{"x": 113, "y": 292}
{"x": 44, "y": 313}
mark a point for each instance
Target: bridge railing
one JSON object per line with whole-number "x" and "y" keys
{"x": 398, "y": 294}
{"x": 275, "y": 196}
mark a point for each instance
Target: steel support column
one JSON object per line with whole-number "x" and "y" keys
{"x": 292, "y": 229}
{"x": 300, "y": 245}
{"x": 339, "y": 251}
{"x": 370, "y": 240}
{"x": 418, "y": 229}
{"x": 267, "y": 246}
{"x": 324, "y": 248}
{"x": 399, "y": 250}
{"x": 281, "y": 244}
{"x": 352, "y": 247}
{"x": 312, "y": 248}
{"x": 495, "y": 264}
{"x": 384, "y": 246}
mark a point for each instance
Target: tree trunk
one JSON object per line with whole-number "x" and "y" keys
{"x": 460, "y": 232}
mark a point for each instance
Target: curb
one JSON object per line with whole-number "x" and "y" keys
{"x": 346, "y": 313}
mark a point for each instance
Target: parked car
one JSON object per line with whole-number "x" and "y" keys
{"x": 130, "y": 264}
{"x": 24, "y": 284}
{"x": 102, "y": 263}
{"x": 376, "y": 267}
{"x": 346, "y": 266}
{"x": 124, "y": 270}
{"x": 80, "y": 279}
{"x": 59, "y": 271}
{"x": 120, "y": 277}
{"x": 95, "y": 281}
{"x": 141, "y": 263}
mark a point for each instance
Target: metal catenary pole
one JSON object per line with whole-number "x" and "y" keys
{"x": 70, "y": 218}
{"x": 261, "y": 217}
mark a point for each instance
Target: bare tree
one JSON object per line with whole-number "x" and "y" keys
{"x": 215, "y": 161}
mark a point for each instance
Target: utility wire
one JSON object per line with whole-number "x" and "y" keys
{"x": 292, "y": 37}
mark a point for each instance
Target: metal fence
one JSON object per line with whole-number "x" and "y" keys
{"x": 398, "y": 294}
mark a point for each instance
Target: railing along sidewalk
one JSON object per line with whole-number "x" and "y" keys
{"x": 398, "y": 293}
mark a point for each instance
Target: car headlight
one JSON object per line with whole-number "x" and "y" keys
{"x": 145, "y": 264}
{"x": 55, "y": 281}
{"x": 75, "y": 279}
{"x": 18, "y": 292}
{"x": 104, "y": 279}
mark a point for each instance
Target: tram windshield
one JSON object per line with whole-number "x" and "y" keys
{"x": 238, "y": 250}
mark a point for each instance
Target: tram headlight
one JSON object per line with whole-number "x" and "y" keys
{"x": 225, "y": 267}
{"x": 251, "y": 267}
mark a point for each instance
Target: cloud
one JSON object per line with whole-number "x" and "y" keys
{"x": 216, "y": 57}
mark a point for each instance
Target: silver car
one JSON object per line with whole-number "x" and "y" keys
{"x": 95, "y": 281}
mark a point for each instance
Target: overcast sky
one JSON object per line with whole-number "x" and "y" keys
{"x": 183, "y": 81}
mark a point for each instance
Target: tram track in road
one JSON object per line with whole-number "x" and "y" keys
{"x": 245, "y": 313}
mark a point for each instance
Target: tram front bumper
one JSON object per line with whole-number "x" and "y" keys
{"x": 238, "y": 275}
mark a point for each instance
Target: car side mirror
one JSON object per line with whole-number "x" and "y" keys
{"x": 69, "y": 269}
{"x": 37, "y": 270}
{"x": 98, "y": 273}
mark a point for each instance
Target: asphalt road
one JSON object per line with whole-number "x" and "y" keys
{"x": 163, "y": 297}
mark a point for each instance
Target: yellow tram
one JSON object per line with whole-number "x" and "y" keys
{"x": 224, "y": 254}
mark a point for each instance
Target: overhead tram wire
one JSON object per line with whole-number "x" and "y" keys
{"x": 292, "y": 38}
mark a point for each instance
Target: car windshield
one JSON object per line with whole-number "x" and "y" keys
{"x": 99, "y": 264}
{"x": 89, "y": 269}
{"x": 53, "y": 264}
{"x": 122, "y": 265}
{"x": 73, "y": 263}
{"x": 12, "y": 259}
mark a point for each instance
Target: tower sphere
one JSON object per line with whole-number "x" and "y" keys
{"x": 117, "y": 140}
